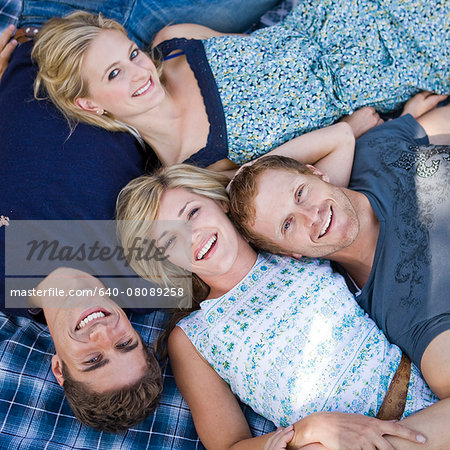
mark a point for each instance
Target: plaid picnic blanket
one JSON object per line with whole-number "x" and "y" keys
{"x": 9, "y": 12}
{"x": 35, "y": 415}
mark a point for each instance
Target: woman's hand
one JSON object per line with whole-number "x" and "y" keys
{"x": 7, "y": 46}
{"x": 280, "y": 439}
{"x": 341, "y": 431}
{"x": 421, "y": 103}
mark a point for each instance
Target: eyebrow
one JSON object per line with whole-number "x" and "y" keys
{"x": 183, "y": 208}
{"x": 180, "y": 213}
{"x": 104, "y": 362}
{"x": 117, "y": 62}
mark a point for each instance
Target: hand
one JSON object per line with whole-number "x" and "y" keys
{"x": 280, "y": 439}
{"x": 421, "y": 103}
{"x": 235, "y": 172}
{"x": 7, "y": 46}
{"x": 342, "y": 431}
{"x": 362, "y": 120}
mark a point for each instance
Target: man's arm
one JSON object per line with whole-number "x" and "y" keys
{"x": 329, "y": 149}
{"x": 7, "y": 46}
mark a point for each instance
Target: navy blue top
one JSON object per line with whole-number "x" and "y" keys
{"x": 46, "y": 174}
{"x": 217, "y": 144}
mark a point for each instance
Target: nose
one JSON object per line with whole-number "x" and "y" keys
{"x": 308, "y": 214}
{"x": 139, "y": 73}
{"x": 100, "y": 335}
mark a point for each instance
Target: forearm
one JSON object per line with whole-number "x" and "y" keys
{"x": 330, "y": 149}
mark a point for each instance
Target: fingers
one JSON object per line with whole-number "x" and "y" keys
{"x": 396, "y": 429}
{"x": 7, "y": 46}
{"x": 362, "y": 120}
{"x": 421, "y": 103}
{"x": 432, "y": 100}
{"x": 6, "y": 36}
{"x": 280, "y": 439}
{"x": 5, "y": 54}
{"x": 382, "y": 444}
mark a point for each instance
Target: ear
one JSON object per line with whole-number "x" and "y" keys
{"x": 292, "y": 255}
{"x": 319, "y": 173}
{"x": 87, "y": 105}
{"x": 225, "y": 206}
{"x": 57, "y": 369}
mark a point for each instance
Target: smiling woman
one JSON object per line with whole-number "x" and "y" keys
{"x": 229, "y": 99}
{"x": 284, "y": 335}
{"x": 121, "y": 87}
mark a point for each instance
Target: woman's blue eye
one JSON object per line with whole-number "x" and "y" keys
{"x": 192, "y": 213}
{"x": 134, "y": 53}
{"x": 113, "y": 74}
{"x": 169, "y": 242}
{"x": 299, "y": 192}
{"x": 286, "y": 225}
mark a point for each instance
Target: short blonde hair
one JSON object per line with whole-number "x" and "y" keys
{"x": 59, "y": 50}
{"x": 138, "y": 206}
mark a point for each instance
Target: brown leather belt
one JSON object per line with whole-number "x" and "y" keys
{"x": 25, "y": 34}
{"x": 394, "y": 401}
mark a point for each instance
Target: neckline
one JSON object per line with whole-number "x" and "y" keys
{"x": 217, "y": 143}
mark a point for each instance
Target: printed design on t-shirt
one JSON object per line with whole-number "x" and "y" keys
{"x": 426, "y": 159}
{"x": 420, "y": 194}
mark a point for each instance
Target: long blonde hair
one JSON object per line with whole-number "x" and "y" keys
{"x": 138, "y": 206}
{"x": 59, "y": 50}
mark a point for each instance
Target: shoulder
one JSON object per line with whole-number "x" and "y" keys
{"x": 182, "y": 351}
{"x": 185, "y": 30}
{"x": 178, "y": 337}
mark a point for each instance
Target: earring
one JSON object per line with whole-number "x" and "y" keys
{"x": 100, "y": 112}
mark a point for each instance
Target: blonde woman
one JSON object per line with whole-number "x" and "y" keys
{"x": 284, "y": 335}
{"x": 221, "y": 100}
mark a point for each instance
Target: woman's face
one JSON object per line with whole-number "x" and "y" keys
{"x": 196, "y": 233}
{"x": 121, "y": 79}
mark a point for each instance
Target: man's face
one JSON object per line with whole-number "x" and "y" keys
{"x": 96, "y": 341}
{"x": 303, "y": 214}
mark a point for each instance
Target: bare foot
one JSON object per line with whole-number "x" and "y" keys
{"x": 362, "y": 120}
{"x": 421, "y": 103}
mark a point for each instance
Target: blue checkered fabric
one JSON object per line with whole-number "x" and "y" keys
{"x": 35, "y": 415}
{"x": 9, "y": 12}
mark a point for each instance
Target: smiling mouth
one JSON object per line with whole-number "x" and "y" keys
{"x": 327, "y": 224}
{"x": 143, "y": 89}
{"x": 206, "y": 248}
{"x": 90, "y": 317}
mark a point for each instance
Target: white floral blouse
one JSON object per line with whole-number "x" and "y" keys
{"x": 291, "y": 340}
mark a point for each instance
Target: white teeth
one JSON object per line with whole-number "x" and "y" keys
{"x": 88, "y": 318}
{"x": 206, "y": 247}
{"x": 325, "y": 227}
{"x": 143, "y": 88}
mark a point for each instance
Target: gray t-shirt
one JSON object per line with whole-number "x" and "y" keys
{"x": 407, "y": 183}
